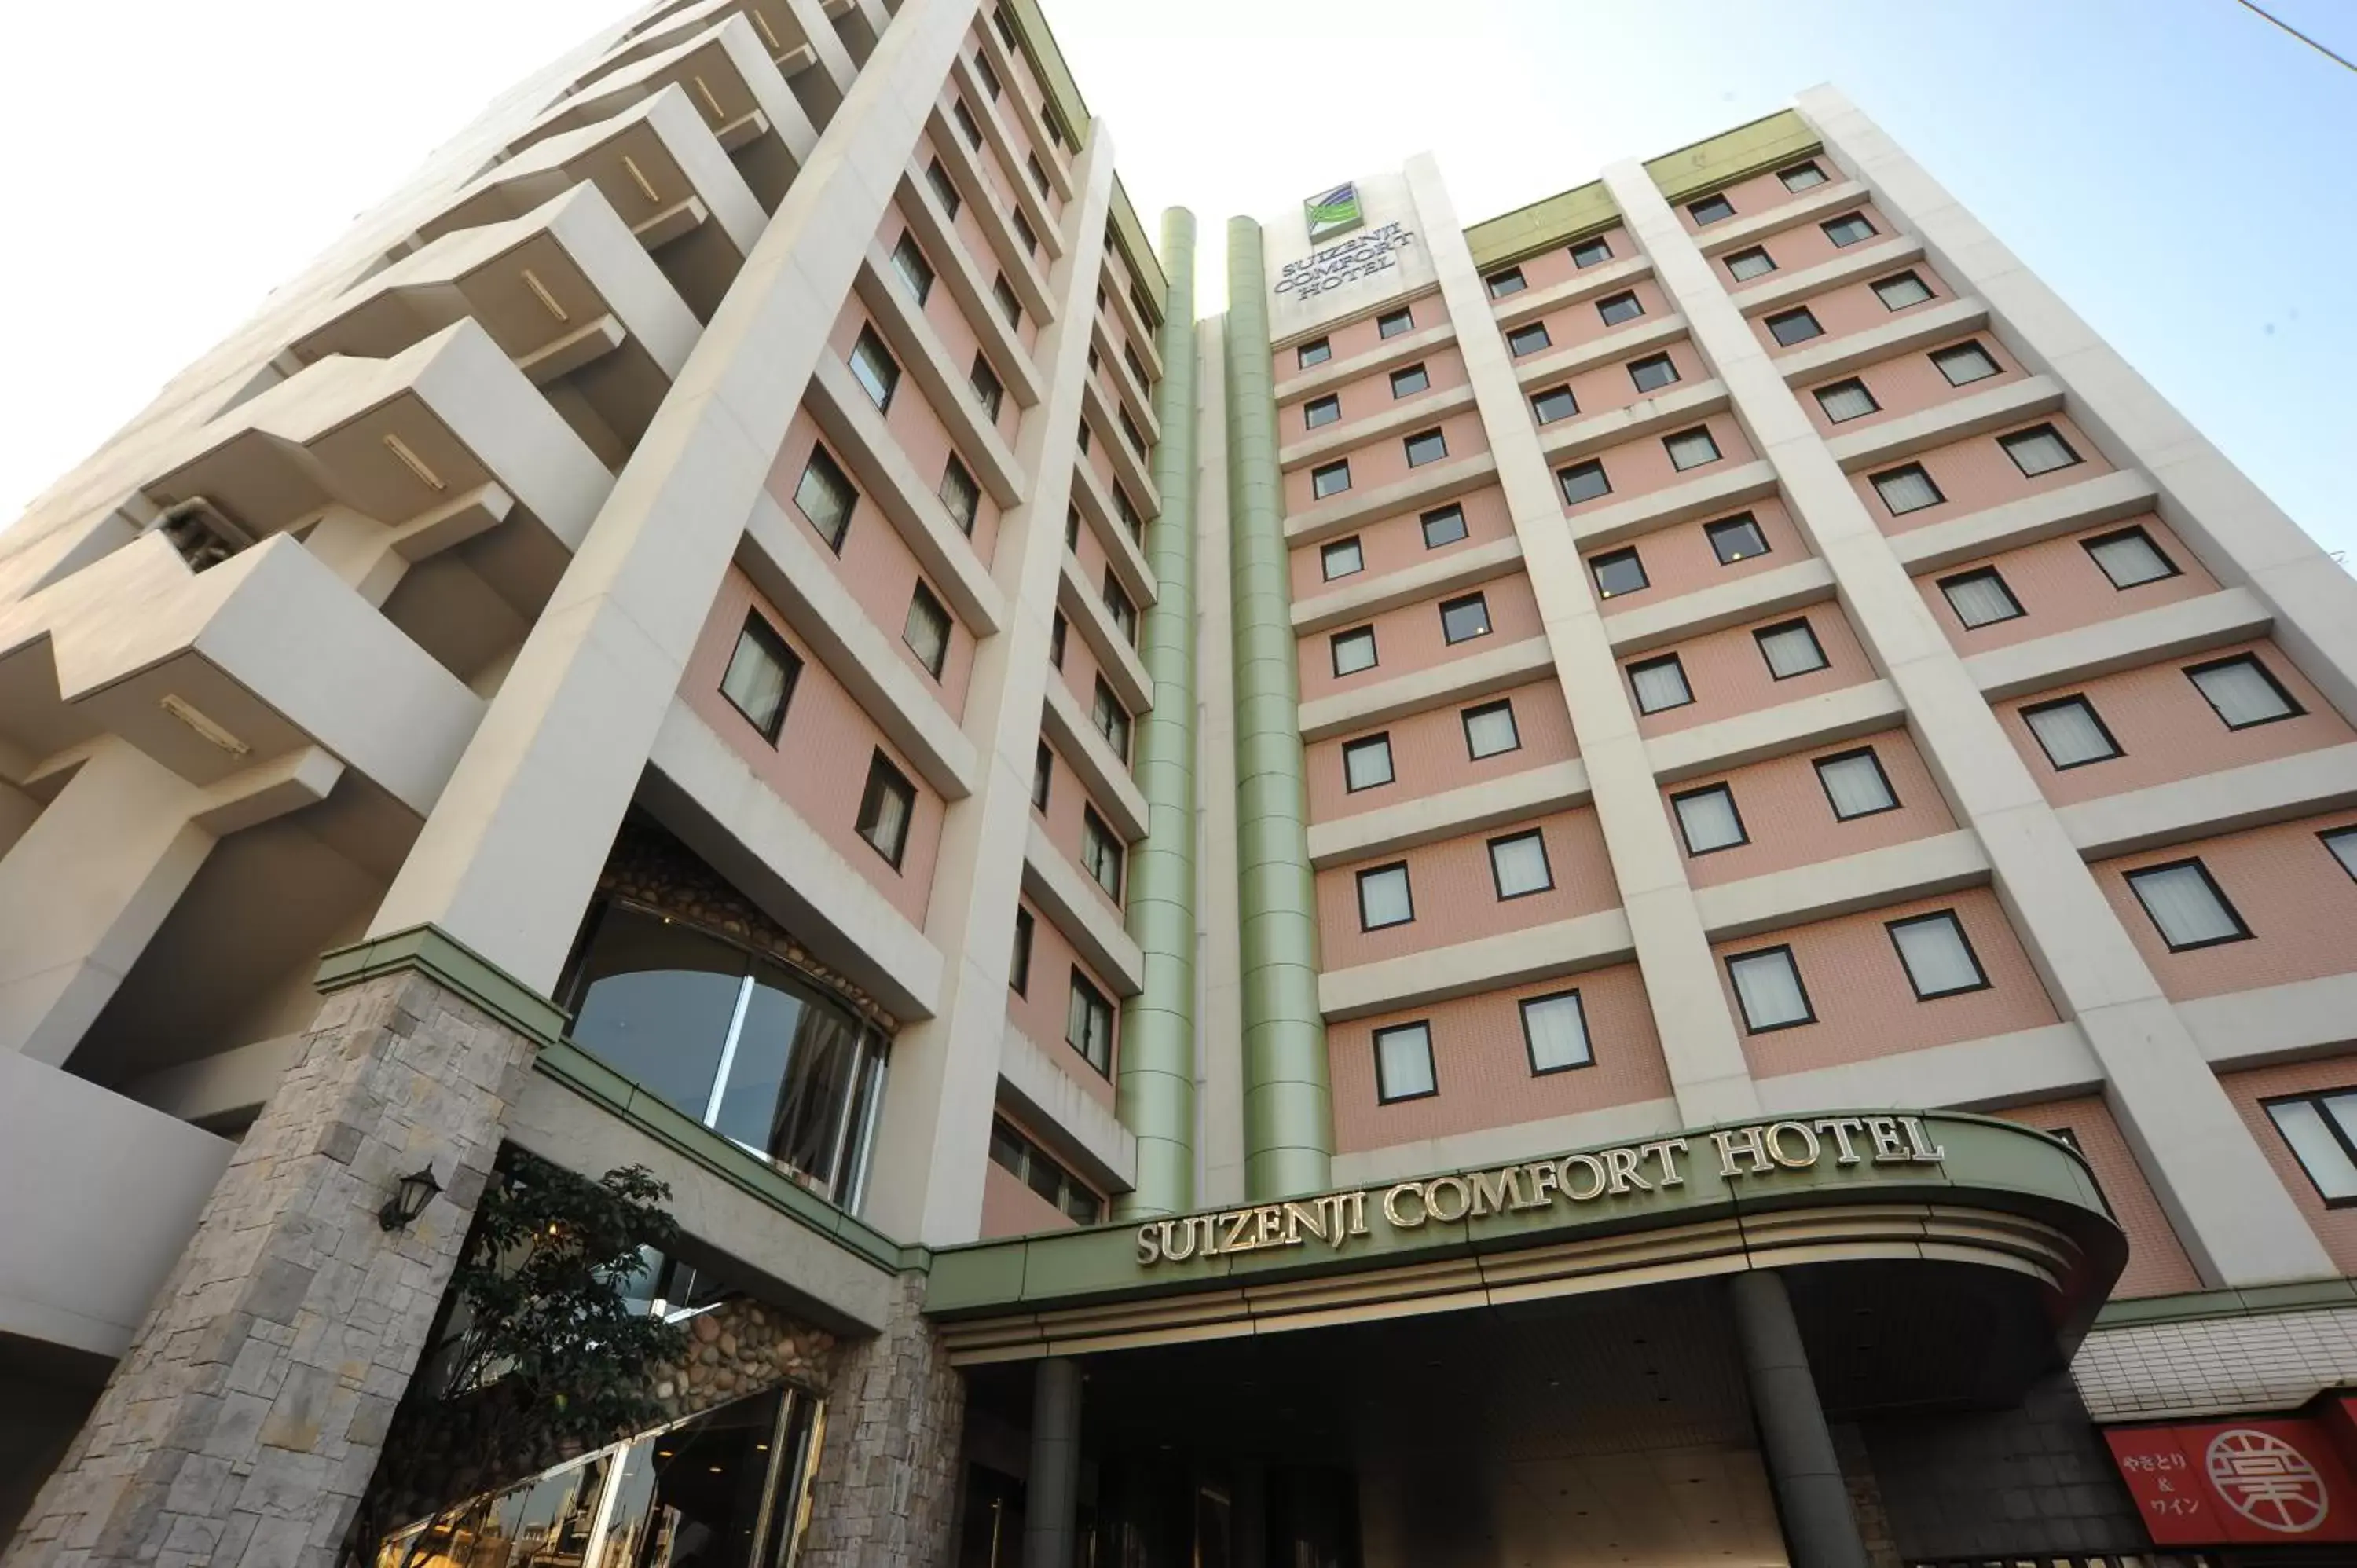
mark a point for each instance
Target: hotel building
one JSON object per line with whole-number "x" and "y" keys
{"x": 1666, "y": 879}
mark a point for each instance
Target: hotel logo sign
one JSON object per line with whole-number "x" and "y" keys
{"x": 1333, "y": 213}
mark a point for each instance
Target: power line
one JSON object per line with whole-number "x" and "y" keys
{"x": 2341, "y": 60}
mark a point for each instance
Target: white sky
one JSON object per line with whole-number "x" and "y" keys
{"x": 2169, "y": 166}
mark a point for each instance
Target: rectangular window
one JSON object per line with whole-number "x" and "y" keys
{"x": 1043, "y": 776}
{"x": 1404, "y": 1063}
{"x": 1964, "y": 364}
{"x": 824, "y": 495}
{"x": 1618, "y": 308}
{"x": 1024, "y": 235}
{"x": 1790, "y": 648}
{"x": 2342, "y": 843}
{"x": 1528, "y": 339}
{"x": 2039, "y": 451}
{"x": 1846, "y": 401}
{"x": 1039, "y": 175}
{"x": 2322, "y": 1131}
{"x": 966, "y": 125}
{"x": 1129, "y": 431}
{"x": 1461, "y": 620}
{"x": 1384, "y": 898}
{"x": 1652, "y": 372}
{"x": 1938, "y": 959}
{"x": 2070, "y": 732}
{"x": 1708, "y": 820}
{"x": 1554, "y": 1031}
{"x": 1856, "y": 785}
{"x": 1518, "y": 864}
{"x": 886, "y": 807}
{"x": 1411, "y": 380}
{"x": 1316, "y": 352}
{"x": 1755, "y": 262}
{"x": 927, "y": 631}
{"x": 1792, "y": 326}
{"x": 1767, "y": 988}
{"x": 988, "y": 77}
{"x": 1800, "y": 176}
{"x": 2243, "y": 692}
{"x": 1088, "y": 1024}
{"x": 1424, "y": 447}
{"x": 1490, "y": 730}
{"x": 1980, "y": 599}
{"x": 1848, "y": 230}
{"x": 987, "y": 390}
{"x": 1122, "y": 614}
{"x": 759, "y": 679}
{"x": 1321, "y": 411}
{"x": 1660, "y": 684}
{"x": 1906, "y": 489}
{"x": 1137, "y": 366}
{"x": 1555, "y": 402}
{"x": 1734, "y": 539}
{"x": 1691, "y": 448}
{"x": 1445, "y": 525}
{"x": 945, "y": 190}
{"x": 873, "y": 367}
{"x": 1588, "y": 252}
{"x": 960, "y": 495}
{"x": 1127, "y": 510}
{"x": 1715, "y": 209}
{"x": 1619, "y": 571}
{"x": 1391, "y": 323}
{"x": 1367, "y": 764}
{"x": 1019, "y": 966}
{"x": 1101, "y": 854}
{"x": 1057, "y": 629}
{"x": 2185, "y": 905}
{"x": 909, "y": 261}
{"x": 1331, "y": 479}
{"x": 1111, "y": 718}
{"x": 1502, "y": 284}
{"x": 1898, "y": 292}
{"x": 2129, "y": 558}
{"x": 1009, "y": 306}
{"x": 1583, "y": 482}
{"x": 1343, "y": 558}
{"x": 1353, "y": 650}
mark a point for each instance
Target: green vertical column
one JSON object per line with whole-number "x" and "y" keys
{"x": 1155, "y": 1094}
{"x": 1288, "y": 1108}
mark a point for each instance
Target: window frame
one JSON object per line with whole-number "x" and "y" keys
{"x": 1515, "y": 349}
{"x": 1419, "y": 370}
{"x": 1979, "y": 574}
{"x": 1670, "y": 445}
{"x": 1627, "y": 554}
{"x": 1684, "y": 684}
{"x": 1715, "y": 200}
{"x": 1747, "y": 254}
{"x": 1392, "y": 324}
{"x": 1799, "y": 984}
{"x": 1760, "y": 636}
{"x": 1326, "y": 558}
{"x": 1522, "y": 1005}
{"x": 2078, "y": 699}
{"x": 2011, "y": 439}
{"x": 1593, "y": 242}
{"x": 1808, "y": 166}
{"x": 1455, "y": 508}
{"x": 2093, "y": 541}
{"x": 2242, "y": 931}
{"x": 1334, "y": 649}
{"x": 1106, "y": 700}
{"x": 1546, "y": 865}
{"x": 1665, "y": 361}
{"x": 1363, "y": 745}
{"x": 1099, "y": 840}
{"x": 1505, "y": 283}
{"x": 1329, "y": 405}
{"x": 1043, "y": 776}
{"x": 881, "y": 777}
{"x": 1847, "y": 383}
{"x": 1018, "y": 965}
{"x": 1538, "y": 404}
{"x": 1318, "y": 476}
{"x": 820, "y": 455}
{"x": 2315, "y": 1098}
{"x": 943, "y": 186}
{"x": 1611, "y": 302}
{"x": 1970, "y": 344}
{"x": 1685, "y": 837}
{"x": 1856, "y": 215}
{"x": 1094, "y": 1005}
{"x": 868, "y": 337}
{"x": 2292, "y": 709}
{"x": 1798, "y": 313}
{"x": 1431, "y": 1060}
{"x": 1465, "y": 717}
{"x": 1905, "y": 276}
{"x": 1316, "y": 352}
{"x": 965, "y": 512}
{"x": 2330, "y": 837}
{"x": 1874, "y": 758}
{"x": 1710, "y": 534}
{"x": 1981, "y": 982}
{"x": 1477, "y": 599}
{"x": 989, "y": 392}
{"x": 1585, "y": 466}
{"x": 1359, "y": 894}
{"x": 1436, "y": 436}
{"x": 906, "y": 252}
{"x": 923, "y": 597}
{"x": 1939, "y": 495}
{"x": 767, "y": 639}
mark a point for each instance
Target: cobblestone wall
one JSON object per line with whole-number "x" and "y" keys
{"x": 887, "y": 1476}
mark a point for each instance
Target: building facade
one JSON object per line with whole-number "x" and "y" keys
{"x": 1663, "y": 879}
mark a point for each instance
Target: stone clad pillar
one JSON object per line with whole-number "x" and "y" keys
{"x": 1811, "y": 1494}
{"x": 888, "y": 1477}
{"x": 1051, "y": 1495}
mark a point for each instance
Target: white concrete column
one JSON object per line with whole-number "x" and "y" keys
{"x": 511, "y": 852}
{"x": 2233, "y": 1216}
{"x": 1708, "y": 1070}
{"x": 935, "y": 1132}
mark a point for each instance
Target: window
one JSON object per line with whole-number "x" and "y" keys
{"x": 1316, "y": 352}
{"x": 1009, "y": 306}
{"x": 2069, "y": 733}
{"x": 885, "y": 808}
{"x": 824, "y": 495}
{"x": 1938, "y": 959}
{"x": 1425, "y": 446}
{"x": 1384, "y": 897}
{"x": 1691, "y": 448}
{"x": 1846, "y": 399}
{"x": 1855, "y": 784}
{"x": 1790, "y": 648}
{"x": 988, "y": 77}
{"x": 1404, "y": 1063}
{"x": 1518, "y": 864}
{"x": 759, "y": 679}
{"x": 2185, "y": 905}
{"x": 1019, "y": 966}
{"x": 1024, "y": 235}
{"x": 1011, "y": 1151}
{"x": 1118, "y": 608}
{"x": 873, "y": 369}
{"x": 1367, "y": 764}
{"x": 960, "y": 495}
{"x": 1353, "y": 650}
{"x": 1137, "y": 366}
{"x": 1619, "y": 571}
{"x": 1330, "y": 480}
{"x": 1792, "y": 326}
{"x": 1652, "y": 372}
{"x": 927, "y": 632}
{"x": 2129, "y": 558}
{"x": 1043, "y": 775}
{"x": 1391, "y": 323}
{"x": 1088, "y": 1024}
{"x": 1057, "y": 629}
{"x": 2039, "y": 451}
{"x": 1319, "y": 411}
{"x": 1964, "y": 363}
{"x": 1588, "y": 253}
{"x": 1745, "y": 265}
{"x": 1898, "y": 292}
{"x": 1767, "y": 988}
{"x": 1127, "y": 510}
{"x": 1445, "y": 525}
{"x": 1616, "y": 308}
{"x": 1111, "y": 718}
{"x": 1711, "y": 209}
{"x": 1660, "y": 684}
{"x": 1555, "y": 402}
{"x": 1906, "y": 489}
{"x": 945, "y": 190}
{"x": 1734, "y": 539}
{"x": 2322, "y": 1131}
{"x": 986, "y": 389}
{"x": 1463, "y": 619}
{"x": 1490, "y": 730}
{"x": 1708, "y": 820}
{"x": 909, "y": 261}
{"x": 2243, "y": 692}
{"x": 1129, "y": 431}
{"x": 1409, "y": 381}
{"x": 1503, "y": 284}
{"x": 1554, "y": 1031}
{"x": 2342, "y": 843}
{"x": 1039, "y": 175}
{"x": 1343, "y": 558}
{"x": 965, "y": 122}
{"x": 1101, "y": 854}
{"x": 1848, "y": 229}
{"x": 1583, "y": 482}
{"x": 1005, "y": 25}
{"x": 1528, "y": 339}
{"x": 1980, "y": 599}
{"x": 1800, "y": 176}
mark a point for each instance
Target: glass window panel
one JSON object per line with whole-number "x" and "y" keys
{"x": 1979, "y": 598}
{"x": 792, "y": 1076}
{"x": 1906, "y": 489}
{"x": 873, "y": 369}
{"x": 909, "y": 261}
{"x": 1964, "y": 363}
{"x": 1367, "y": 763}
{"x": 2320, "y": 1154}
{"x": 1619, "y": 308}
{"x": 1555, "y": 402}
{"x": 1711, "y": 209}
{"x": 1555, "y": 1030}
{"x": 885, "y": 810}
{"x": 1429, "y": 446}
{"x": 1736, "y": 538}
{"x": 1583, "y": 482}
{"x": 1508, "y": 282}
{"x": 1790, "y": 649}
{"x": 1316, "y": 352}
{"x": 1411, "y": 380}
{"x": 1101, "y": 854}
{"x": 826, "y": 497}
{"x": 1768, "y": 989}
{"x": 1393, "y": 323}
{"x": 2039, "y": 451}
{"x": 1691, "y": 449}
{"x": 927, "y": 632}
{"x": 759, "y": 679}
{"x": 1654, "y": 373}
{"x": 2342, "y": 843}
{"x": 1518, "y": 864}
{"x": 2242, "y": 693}
{"x": 1463, "y": 619}
{"x": 2130, "y": 558}
{"x": 1384, "y": 898}
{"x": 1445, "y": 526}
{"x": 945, "y": 190}
{"x": 1856, "y": 785}
{"x": 1938, "y": 961}
{"x": 1588, "y": 253}
{"x": 1403, "y": 1062}
{"x": 1708, "y": 818}
{"x": 1793, "y": 327}
{"x": 1529, "y": 340}
{"x": 2188, "y": 912}
{"x": 1800, "y": 176}
{"x": 1354, "y": 650}
{"x": 960, "y": 495}
{"x": 1342, "y": 558}
{"x": 1898, "y": 292}
{"x": 987, "y": 390}
{"x": 1846, "y": 401}
{"x": 1490, "y": 731}
{"x": 1320, "y": 411}
{"x": 655, "y": 1001}
{"x": 1745, "y": 265}
{"x": 2069, "y": 733}
{"x": 1848, "y": 229}
{"x": 1659, "y": 685}
{"x": 1330, "y": 480}
{"x": 1621, "y": 571}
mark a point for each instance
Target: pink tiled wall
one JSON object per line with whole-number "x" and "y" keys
{"x": 1852, "y": 307}
{"x": 2060, "y": 588}
{"x": 970, "y": 234}
{"x": 1080, "y": 668}
{"x": 1760, "y": 193}
{"x": 1791, "y": 823}
{"x": 2156, "y": 1262}
{"x": 1019, "y": 80}
{"x": 1552, "y": 266}
{"x": 1352, "y": 338}
{"x": 1609, "y": 387}
{"x": 2336, "y": 1228}
{"x": 1975, "y": 474}
{"x": 1409, "y": 639}
{"x": 1384, "y": 461}
{"x": 950, "y": 323}
{"x": 1802, "y": 245}
{"x": 1909, "y": 384}
{"x": 1729, "y": 675}
{"x": 1642, "y": 467}
{"x": 1679, "y": 559}
{"x": 1396, "y": 542}
{"x": 1580, "y": 322}
{"x": 1366, "y": 396}
{"x": 1455, "y": 895}
{"x": 1068, "y": 799}
{"x": 1429, "y": 752}
{"x": 922, "y": 437}
{"x": 1038, "y": 1012}
{"x": 2299, "y": 905}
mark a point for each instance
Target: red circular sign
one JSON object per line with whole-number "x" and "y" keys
{"x": 2266, "y": 1480}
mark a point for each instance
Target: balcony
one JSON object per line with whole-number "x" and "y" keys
{"x": 795, "y": 34}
